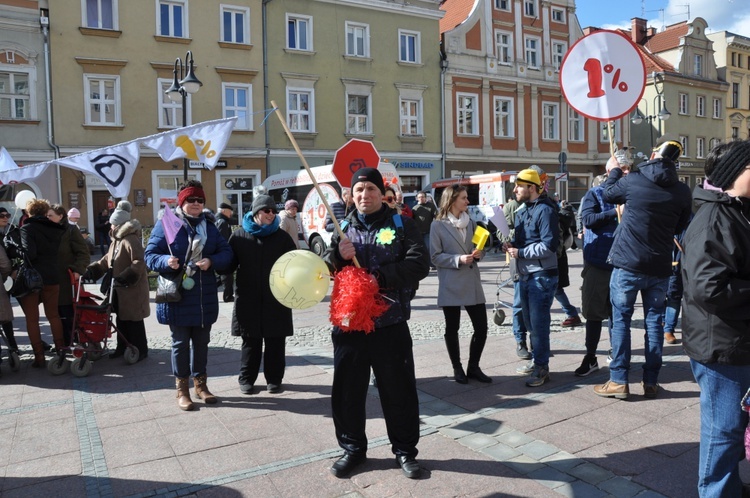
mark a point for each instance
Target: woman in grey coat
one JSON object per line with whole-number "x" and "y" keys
{"x": 459, "y": 283}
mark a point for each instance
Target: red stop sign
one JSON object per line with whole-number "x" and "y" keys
{"x": 355, "y": 154}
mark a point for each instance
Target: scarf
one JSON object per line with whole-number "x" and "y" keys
{"x": 197, "y": 235}
{"x": 460, "y": 223}
{"x": 249, "y": 225}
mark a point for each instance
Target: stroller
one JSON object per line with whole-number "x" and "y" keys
{"x": 13, "y": 358}
{"x": 498, "y": 314}
{"x": 92, "y": 328}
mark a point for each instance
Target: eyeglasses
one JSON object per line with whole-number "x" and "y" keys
{"x": 199, "y": 200}
{"x": 389, "y": 198}
{"x": 268, "y": 210}
{"x": 5, "y": 215}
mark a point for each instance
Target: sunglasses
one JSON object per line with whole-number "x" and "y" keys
{"x": 199, "y": 200}
{"x": 389, "y": 198}
{"x": 4, "y": 215}
{"x": 268, "y": 210}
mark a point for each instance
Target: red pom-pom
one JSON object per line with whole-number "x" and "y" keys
{"x": 356, "y": 301}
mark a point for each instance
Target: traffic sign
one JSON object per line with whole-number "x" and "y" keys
{"x": 354, "y": 155}
{"x": 603, "y": 76}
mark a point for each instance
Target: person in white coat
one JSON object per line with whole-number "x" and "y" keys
{"x": 459, "y": 283}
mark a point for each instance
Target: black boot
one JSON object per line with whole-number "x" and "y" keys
{"x": 475, "y": 353}
{"x": 454, "y": 352}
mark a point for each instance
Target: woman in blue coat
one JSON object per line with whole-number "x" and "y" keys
{"x": 200, "y": 249}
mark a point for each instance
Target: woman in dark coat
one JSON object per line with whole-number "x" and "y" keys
{"x": 258, "y": 317}
{"x": 103, "y": 227}
{"x": 201, "y": 251}
{"x": 73, "y": 255}
{"x": 40, "y": 242}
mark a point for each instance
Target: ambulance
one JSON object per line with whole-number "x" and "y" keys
{"x": 311, "y": 214}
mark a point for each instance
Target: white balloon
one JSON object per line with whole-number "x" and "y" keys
{"x": 23, "y": 198}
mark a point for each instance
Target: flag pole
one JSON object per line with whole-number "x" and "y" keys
{"x": 312, "y": 177}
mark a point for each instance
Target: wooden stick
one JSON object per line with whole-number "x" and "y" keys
{"x": 312, "y": 177}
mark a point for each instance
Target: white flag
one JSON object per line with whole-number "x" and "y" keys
{"x": 203, "y": 142}
{"x": 114, "y": 165}
{"x": 10, "y": 172}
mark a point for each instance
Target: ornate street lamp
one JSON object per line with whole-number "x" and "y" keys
{"x": 183, "y": 85}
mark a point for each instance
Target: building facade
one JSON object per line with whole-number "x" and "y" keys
{"x": 732, "y": 55}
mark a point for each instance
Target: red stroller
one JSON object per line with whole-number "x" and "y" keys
{"x": 92, "y": 328}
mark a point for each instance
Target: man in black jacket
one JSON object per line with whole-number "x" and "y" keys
{"x": 390, "y": 247}
{"x": 715, "y": 332}
{"x": 657, "y": 207}
{"x": 225, "y": 229}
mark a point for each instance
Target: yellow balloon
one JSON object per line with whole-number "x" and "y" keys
{"x": 299, "y": 279}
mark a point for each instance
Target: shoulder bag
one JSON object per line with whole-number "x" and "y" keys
{"x": 168, "y": 286}
{"x": 27, "y": 280}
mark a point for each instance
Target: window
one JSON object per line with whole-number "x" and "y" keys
{"x": 700, "y": 106}
{"x": 529, "y": 8}
{"x": 698, "y": 65}
{"x": 102, "y": 100}
{"x": 558, "y": 15}
{"x": 684, "y": 142}
{"x": 504, "y": 47}
{"x": 717, "y": 108}
{"x": 235, "y": 24}
{"x": 238, "y": 101}
{"x": 466, "y": 114}
{"x": 683, "y": 103}
{"x": 502, "y": 5}
{"x": 604, "y": 131}
{"x": 409, "y": 47}
{"x": 700, "y": 147}
{"x": 171, "y": 17}
{"x": 532, "y": 51}
{"x": 100, "y": 14}
{"x": 504, "y": 117}
{"x": 575, "y": 126}
{"x": 15, "y": 100}
{"x": 299, "y": 32}
{"x": 170, "y": 113}
{"x": 735, "y": 95}
{"x": 300, "y": 116}
{"x": 735, "y": 132}
{"x": 358, "y": 114}
{"x": 734, "y": 58}
{"x": 558, "y": 52}
{"x": 357, "y": 40}
{"x": 411, "y": 117}
{"x": 550, "y": 121}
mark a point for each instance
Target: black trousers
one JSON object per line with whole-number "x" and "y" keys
{"x": 478, "y": 315}
{"x": 135, "y": 333}
{"x": 388, "y": 351}
{"x": 274, "y": 359}
{"x": 228, "y": 282}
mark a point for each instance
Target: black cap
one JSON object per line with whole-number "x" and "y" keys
{"x": 224, "y": 205}
{"x": 369, "y": 175}
{"x": 263, "y": 202}
{"x": 3, "y": 210}
{"x": 84, "y": 230}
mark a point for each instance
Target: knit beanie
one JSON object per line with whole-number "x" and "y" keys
{"x": 74, "y": 213}
{"x": 369, "y": 175}
{"x": 529, "y": 176}
{"x": 121, "y": 214}
{"x": 730, "y": 164}
{"x": 291, "y": 203}
{"x": 263, "y": 202}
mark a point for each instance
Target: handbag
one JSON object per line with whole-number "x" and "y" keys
{"x": 28, "y": 280}
{"x": 168, "y": 288}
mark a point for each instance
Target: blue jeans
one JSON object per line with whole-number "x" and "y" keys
{"x": 623, "y": 291}
{"x": 187, "y": 361}
{"x": 519, "y": 327}
{"x": 562, "y": 298}
{"x": 537, "y": 291}
{"x": 671, "y": 315}
{"x": 722, "y": 427}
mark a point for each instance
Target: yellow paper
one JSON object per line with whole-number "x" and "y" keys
{"x": 481, "y": 235}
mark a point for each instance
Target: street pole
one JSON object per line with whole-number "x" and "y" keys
{"x": 181, "y": 86}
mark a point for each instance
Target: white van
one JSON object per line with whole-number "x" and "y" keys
{"x": 311, "y": 215}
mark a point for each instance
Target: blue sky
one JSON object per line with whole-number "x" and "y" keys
{"x": 730, "y": 15}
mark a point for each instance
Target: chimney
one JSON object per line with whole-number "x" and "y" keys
{"x": 638, "y": 30}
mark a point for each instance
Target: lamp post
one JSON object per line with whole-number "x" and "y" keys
{"x": 663, "y": 114}
{"x": 181, "y": 86}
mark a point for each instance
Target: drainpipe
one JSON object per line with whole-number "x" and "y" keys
{"x": 266, "y": 101}
{"x": 48, "y": 92}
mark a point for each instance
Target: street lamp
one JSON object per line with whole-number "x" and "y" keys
{"x": 638, "y": 117}
{"x": 181, "y": 86}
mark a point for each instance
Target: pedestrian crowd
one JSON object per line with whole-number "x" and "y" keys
{"x": 640, "y": 236}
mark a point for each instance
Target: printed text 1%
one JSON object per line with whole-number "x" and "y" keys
{"x": 596, "y": 76}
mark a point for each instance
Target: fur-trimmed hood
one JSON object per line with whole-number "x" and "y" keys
{"x": 132, "y": 226}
